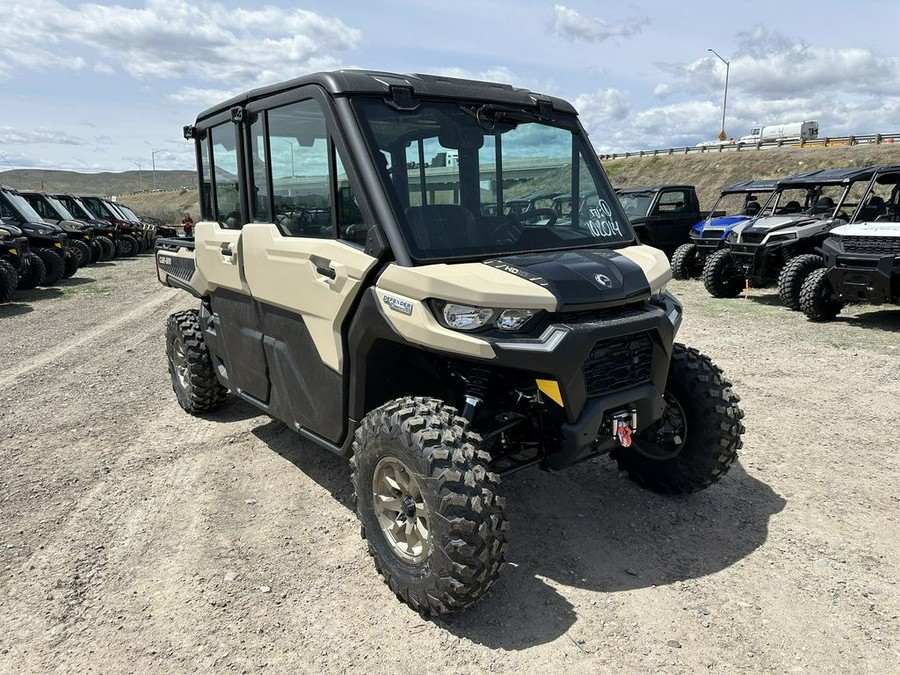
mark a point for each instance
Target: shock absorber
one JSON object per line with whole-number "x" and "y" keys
{"x": 476, "y": 391}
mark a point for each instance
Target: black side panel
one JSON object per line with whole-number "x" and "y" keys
{"x": 242, "y": 338}
{"x": 305, "y": 392}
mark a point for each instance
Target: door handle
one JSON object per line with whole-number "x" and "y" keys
{"x": 326, "y": 271}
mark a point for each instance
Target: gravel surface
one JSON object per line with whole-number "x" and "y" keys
{"x": 137, "y": 539}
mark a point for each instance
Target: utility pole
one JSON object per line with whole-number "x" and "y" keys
{"x": 722, "y": 134}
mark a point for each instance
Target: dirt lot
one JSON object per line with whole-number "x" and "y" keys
{"x": 134, "y": 538}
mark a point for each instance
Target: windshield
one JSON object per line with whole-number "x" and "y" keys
{"x": 739, "y": 204}
{"x": 61, "y": 210}
{"x": 636, "y": 204}
{"x": 24, "y": 209}
{"x": 473, "y": 180}
{"x": 100, "y": 208}
{"x": 820, "y": 201}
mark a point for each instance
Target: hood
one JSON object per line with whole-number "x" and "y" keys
{"x": 724, "y": 222}
{"x": 45, "y": 229}
{"x": 581, "y": 279}
{"x": 868, "y": 230}
{"x": 11, "y": 229}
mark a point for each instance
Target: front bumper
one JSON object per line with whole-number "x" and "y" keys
{"x": 862, "y": 277}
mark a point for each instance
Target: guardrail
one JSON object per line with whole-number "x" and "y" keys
{"x": 826, "y": 141}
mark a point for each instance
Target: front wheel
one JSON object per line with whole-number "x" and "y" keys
{"x": 686, "y": 262}
{"x": 721, "y": 276}
{"x": 34, "y": 275}
{"x": 53, "y": 265}
{"x": 696, "y": 441}
{"x": 792, "y": 276}
{"x": 428, "y": 505}
{"x": 190, "y": 364}
{"x": 817, "y": 297}
{"x": 128, "y": 246}
{"x": 70, "y": 264}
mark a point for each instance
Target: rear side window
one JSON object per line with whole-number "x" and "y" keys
{"x": 225, "y": 175}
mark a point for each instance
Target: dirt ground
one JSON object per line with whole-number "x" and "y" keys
{"x": 137, "y": 539}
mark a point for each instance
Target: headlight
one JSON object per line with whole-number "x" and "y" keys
{"x": 468, "y": 318}
{"x": 783, "y": 237}
{"x": 513, "y": 319}
{"x": 463, "y": 317}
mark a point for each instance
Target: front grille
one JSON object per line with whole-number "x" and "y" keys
{"x": 872, "y": 245}
{"x": 617, "y": 363}
{"x": 752, "y": 237}
{"x": 611, "y": 316}
{"x": 712, "y": 234}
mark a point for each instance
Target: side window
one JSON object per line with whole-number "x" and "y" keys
{"x": 300, "y": 170}
{"x": 351, "y": 226}
{"x": 672, "y": 202}
{"x": 225, "y": 175}
{"x": 260, "y": 210}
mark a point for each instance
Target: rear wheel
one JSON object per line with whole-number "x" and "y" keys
{"x": 54, "y": 265}
{"x": 697, "y": 439}
{"x": 792, "y": 276}
{"x": 428, "y": 504}
{"x": 34, "y": 275}
{"x": 817, "y": 297}
{"x": 721, "y": 276}
{"x": 686, "y": 262}
{"x": 190, "y": 364}
{"x": 128, "y": 246}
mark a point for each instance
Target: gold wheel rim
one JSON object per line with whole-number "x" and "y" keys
{"x": 401, "y": 511}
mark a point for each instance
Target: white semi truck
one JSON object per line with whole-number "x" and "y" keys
{"x": 791, "y": 131}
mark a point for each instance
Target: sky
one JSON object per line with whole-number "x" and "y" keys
{"x": 108, "y": 86}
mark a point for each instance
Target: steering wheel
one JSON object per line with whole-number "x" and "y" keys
{"x": 535, "y": 216}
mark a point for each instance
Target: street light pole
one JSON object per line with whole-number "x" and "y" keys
{"x": 140, "y": 175}
{"x": 153, "y": 159}
{"x": 291, "y": 146}
{"x": 722, "y": 135}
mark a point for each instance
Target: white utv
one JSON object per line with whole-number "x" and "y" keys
{"x": 862, "y": 258}
{"x": 781, "y": 246}
{"x": 351, "y": 285}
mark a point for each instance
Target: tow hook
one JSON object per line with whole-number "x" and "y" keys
{"x": 624, "y": 424}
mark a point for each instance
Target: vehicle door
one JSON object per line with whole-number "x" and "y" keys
{"x": 671, "y": 219}
{"x": 304, "y": 262}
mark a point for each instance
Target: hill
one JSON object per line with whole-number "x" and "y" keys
{"x": 709, "y": 172}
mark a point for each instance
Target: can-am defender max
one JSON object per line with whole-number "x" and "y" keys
{"x": 437, "y": 346}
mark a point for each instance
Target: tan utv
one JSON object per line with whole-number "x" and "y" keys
{"x": 350, "y": 284}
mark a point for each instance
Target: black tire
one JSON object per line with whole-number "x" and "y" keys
{"x": 817, "y": 298}
{"x": 82, "y": 252}
{"x": 70, "y": 264}
{"x": 35, "y": 274}
{"x": 190, "y": 364}
{"x": 792, "y": 276}
{"x": 53, "y": 264}
{"x": 721, "y": 276}
{"x": 696, "y": 441}
{"x": 109, "y": 248}
{"x": 7, "y": 268}
{"x": 465, "y": 542}
{"x": 96, "y": 251}
{"x": 128, "y": 246}
{"x": 686, "y": 262}
{"x": 6, "y": 285}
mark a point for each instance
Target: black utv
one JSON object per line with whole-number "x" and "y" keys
{"x": 107, "y": 234}
{"x": 48, "y": 242}
{"x": 129, "y": 234}
{"x": 438, "y": 345}
{"x": 82, "y": 235}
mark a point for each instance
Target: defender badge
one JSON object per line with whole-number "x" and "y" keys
{"x": 603, "y": 280}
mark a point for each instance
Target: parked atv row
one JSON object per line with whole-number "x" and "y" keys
{"x": 45, "y": 238}
{"x": 823, "y": 238}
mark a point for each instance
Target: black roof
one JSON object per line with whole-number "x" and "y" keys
{"x": 834, "y": 176}
{"x": 653, "y": 188}
{"x": 751, "y": 186}
{"x": 348, "y": 82}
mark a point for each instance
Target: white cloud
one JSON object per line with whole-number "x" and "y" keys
{"x": 573, "y": 26}
{"x": 175, "y": 39}
{"x": 602, "y": 107}
{"x": 15, "y": 136}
